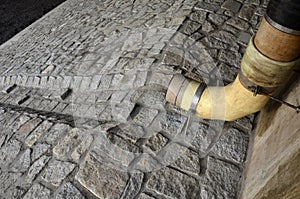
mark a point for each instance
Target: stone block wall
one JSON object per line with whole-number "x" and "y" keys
{"x": 274, "y": 167}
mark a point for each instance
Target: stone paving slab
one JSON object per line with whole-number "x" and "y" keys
{"x": 82, "y": 108}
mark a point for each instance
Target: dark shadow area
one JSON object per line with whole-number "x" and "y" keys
{"x": 18, "y": 14}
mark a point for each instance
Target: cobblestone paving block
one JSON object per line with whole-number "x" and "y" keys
{"x": 129, "y": 130}
{"x": 156, "y": 142}
{"x": 127, "y": 81}
{"x": 67, "y": 143}
{"x": 95, "y": 82}
{"x": 60, "y": 107}
{"x": 198, "y": 16}
{"x": 105, "y": 81}
{"x": 121, "y": 111}
{"x": 232, "y": 5}
{"x": 188, "y": 161}
{"x": 246, "y": 123}
{"x": 55, "y": 132}
{"x": 38, "y": 150}
{"x": 66, "y": 82}
{"x": 85, "y": 83}
{"x": 173, "y": 56}
{"x": 118, "y": 96}
{"x": 7, "y": 179}
{"x": 82, "y": 147}
{"x": 152, "y": 98}
{"x": 10, "y": 117}
{"x": 238, "y": 23}
{"x": 123, "y": 142}
{"x": 133, "y": 185}
{"x": 27, "y": 128}
{"x": 244, "y": 38}
{"x": 247, "y": 12}
{"x": 230, "y": 58}
{"x": 220, "y": 180}
{"x": 206, "y": 7}
{"x": 22, "y": 163}
{"x": 212, "y": 42}
{"x": 36, "y": 168}
{"x": 14, "y": 191}
{"x": 68, "y": 191}
{"x": 144, "y": 116}
{"x": 9, "y": 152}
{"x": 113, "y": 151}
{"x": 116, "y": 81}
{"x": 172, "y": 123}
{"x": 160, "y": 79}
{"x": 228, "y": 73}
{"x": 37, "y": 133}
{"x": 174, "y": 184}
{"x": 105, "y": 113}
{"x": 56, "y": 171}
{"x": 217, "y": 19}
{"x": 15, "y": 126}
{"x": 37, "y": 191}
{"x": 100, "y": 179}
{"x": 48, "y": 69}
{"x": 224, "y": 36}
{"x": 190, "y": 27}
{"x": 140, "y": 79}
{"x": 232, "y": 145}
{"x": 145, "y": 196}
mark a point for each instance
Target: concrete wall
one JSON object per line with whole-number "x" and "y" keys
{"x": 274, "y": 167}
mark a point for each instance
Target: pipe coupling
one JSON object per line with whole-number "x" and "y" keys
{"x": 263, "y": 71}
{"x": 184, "y": 92}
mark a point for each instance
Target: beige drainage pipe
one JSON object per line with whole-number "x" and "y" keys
{"x": 267, "y": 63}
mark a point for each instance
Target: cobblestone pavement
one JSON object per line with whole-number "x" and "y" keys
{"x": 82, "y": 107}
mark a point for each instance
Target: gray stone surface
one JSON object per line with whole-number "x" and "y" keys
{"x": 9, "y": 152}
{"x": 36, "y": 168}
{"x": 68, "y": 191}
{"x": 56, "y": 171}
{"x": 217, "y": 185}
{"x": 173, "y": 184}
{"x": 37, "y": 191}
{"x": 232, "y": 145}
{"x": 22, "y": 163}
{"x": 109, "y": 182}
{"x": 83, "y": 111}
{"x": 39, "y": 150}
{"x": 37, "y": 133}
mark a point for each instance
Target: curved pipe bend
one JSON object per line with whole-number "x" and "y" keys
{"x": 260, "y": 67}
{"x": 222, "y": 103}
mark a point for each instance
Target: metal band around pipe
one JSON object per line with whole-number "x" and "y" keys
{"x": 280, "y": 27}
{"x": 197, "y": 96}
{"x": 189, "y": 94}
{"x": 264, "y": 71}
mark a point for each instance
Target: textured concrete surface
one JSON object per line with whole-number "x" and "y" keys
{"x": 83, "y": 113}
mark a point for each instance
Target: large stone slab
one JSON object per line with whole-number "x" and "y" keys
{"x": 101, "y": 180}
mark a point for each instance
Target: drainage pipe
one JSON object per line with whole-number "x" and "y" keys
{"x": 269, "y": 59}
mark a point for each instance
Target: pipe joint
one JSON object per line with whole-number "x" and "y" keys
{"x": 185, "y": 93}
{"x": 263, "y": 71}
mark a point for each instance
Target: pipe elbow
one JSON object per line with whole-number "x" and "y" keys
{"x": 268, "y": 61}
{"x": 221, "y": 103}
{"x": 238, "y": 99}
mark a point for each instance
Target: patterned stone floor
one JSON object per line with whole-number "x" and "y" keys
{"x": 82, "y": 109}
